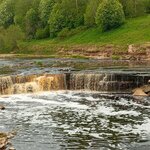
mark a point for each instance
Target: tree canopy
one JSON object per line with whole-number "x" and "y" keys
{"x": 46, "y": 18}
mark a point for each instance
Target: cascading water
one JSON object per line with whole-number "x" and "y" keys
{"x": 71, "y": 81}
{"x": 79, "y": 117}
{"x": 106, "y": 81}
{"x": 31, "y": 83}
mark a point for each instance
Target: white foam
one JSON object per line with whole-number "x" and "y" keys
{"x": 145, "y": 127}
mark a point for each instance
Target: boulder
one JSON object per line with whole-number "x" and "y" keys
{"x": 2, "y": 107}
{"x": 146, "y": 88}
{"x": 3, "y": 140}
{"x": 139, "y": 92}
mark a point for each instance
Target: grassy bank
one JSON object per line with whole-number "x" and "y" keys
{"x": 134, "y": 31}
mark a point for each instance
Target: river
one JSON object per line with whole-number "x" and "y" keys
{"x": 77, "y": 119}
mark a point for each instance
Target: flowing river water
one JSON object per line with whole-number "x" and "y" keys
{"x": 79, "y": 118}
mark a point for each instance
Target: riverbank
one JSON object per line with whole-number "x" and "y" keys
{"x": 129, "y": 52}
{"x": 131, "y": 41}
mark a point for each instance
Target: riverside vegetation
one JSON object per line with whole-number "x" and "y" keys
{"x": 74, "y": 28}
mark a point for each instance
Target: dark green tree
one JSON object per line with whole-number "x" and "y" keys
{"x": 67, "y": 13}
{"x": 31, "y": 21}
{"x": 110, "y": 15}
{"x": 6, "y": 13}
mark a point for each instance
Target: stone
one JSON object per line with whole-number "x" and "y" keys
{"x": 146, "y": 88}
{"x": 12, "y": 148}
{"x": 11, "y": 135}
{"x": 2, "y": 107}
{"x": 139, "y": 92}
{"x": 3, "y": 140}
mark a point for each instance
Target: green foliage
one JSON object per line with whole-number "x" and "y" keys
{"x": 134, "y": 8}
{"x": 45, "y": 8}
{"x": 6, "y": 13}
{"x": 9, "y": 38}
{"x": 31, "y": 21}
{"x": 90, "y": 13}
{"x": 66, "y": 33}
{"x": 50, "y": 18}
{"x": 135, "y": 30}
{"x": 110, "y": 15}
{"x": 67, "y": 14}
{"x": 21, "y": 8}
{"x": 42, "y": 33}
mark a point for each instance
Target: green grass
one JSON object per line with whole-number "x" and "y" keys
{"x": 134, "y": 31}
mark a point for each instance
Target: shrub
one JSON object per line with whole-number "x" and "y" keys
{"x": 42, "y": 33}
{"x": 110, "y": 15}
{"x": 9, "y": 38}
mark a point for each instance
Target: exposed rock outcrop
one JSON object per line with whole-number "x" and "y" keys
{"x": 3, "y": 141}
{"x": 139, "y": 92}
{"x": 142, "y": 91}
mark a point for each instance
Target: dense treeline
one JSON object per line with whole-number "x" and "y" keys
{"x": 38, "y": 19}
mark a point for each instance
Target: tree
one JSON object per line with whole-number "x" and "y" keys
{"x": 21, "y": 8}
{"x": 31, "y": 20}
{"x": 9, "y": 38}
{"x": 110, "y": 15}
{"x": 45, "y": 8}
{"x": 134, "y": 8}
{"x": 6, "y": 13}
{"x": 90, "y": 14}
{"x": 67, "y": 13}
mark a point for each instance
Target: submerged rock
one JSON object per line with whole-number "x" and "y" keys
{"x": 2, "y": 107}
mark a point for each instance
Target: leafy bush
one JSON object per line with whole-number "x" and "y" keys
{"x": 110, "y": 15}
{"x": 42, "y": 33}
{"x": 9, "y": 38}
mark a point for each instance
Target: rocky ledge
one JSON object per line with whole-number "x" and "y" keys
{"x": 142, "y": 91}
{"x": 4, "y": 141}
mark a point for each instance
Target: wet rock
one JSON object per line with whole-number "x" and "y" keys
{"x": 146, "y": 88}
{"x": 3, "y": 140}
{"x": 12, "y": 148}
{"x": 2, "y": 107}
{"x": 139, "y": 92}
{"x": 11, "y": 135}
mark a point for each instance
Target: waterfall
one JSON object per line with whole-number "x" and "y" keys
{"x": 95, "y": 81}
{"x": 106, "y": 81}
{"x": 31, "y": 83}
